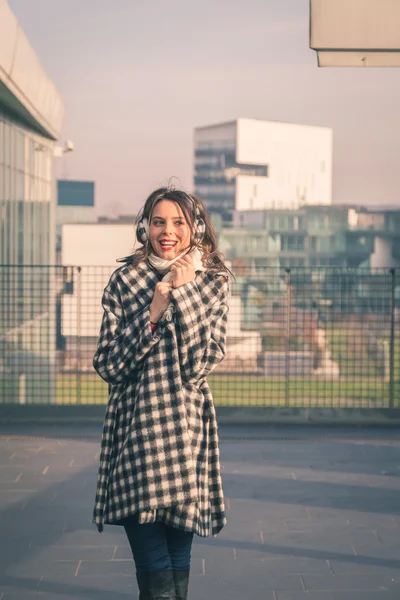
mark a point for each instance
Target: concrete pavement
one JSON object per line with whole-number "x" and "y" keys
{"x": 314, "y": 514}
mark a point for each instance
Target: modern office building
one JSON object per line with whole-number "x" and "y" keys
{"x": 249, "y": 164}
{"x": 31, "y": 116}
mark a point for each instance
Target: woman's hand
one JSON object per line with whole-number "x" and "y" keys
{"x": 183, "y": 271}
{"x": 160, "y": 300}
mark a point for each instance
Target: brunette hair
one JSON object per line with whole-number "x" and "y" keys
{"x": 192, "y": 208}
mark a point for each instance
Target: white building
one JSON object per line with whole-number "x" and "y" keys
{"x": 93, "y": 248}
{"x": 249, "y": 164}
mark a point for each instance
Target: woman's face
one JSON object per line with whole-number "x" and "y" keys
{"x": 169, "y": 230}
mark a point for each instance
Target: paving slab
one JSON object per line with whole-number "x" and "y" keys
{"x": 338, "y": 595}
{"x": 312, "y": 514}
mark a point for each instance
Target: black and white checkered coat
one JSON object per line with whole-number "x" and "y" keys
{"x": 159, "y": 452}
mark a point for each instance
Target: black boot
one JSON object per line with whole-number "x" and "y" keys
{"x": 181, "y": 579}
{"x": 156, "y": 585}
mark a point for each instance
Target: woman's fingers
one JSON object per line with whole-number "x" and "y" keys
{"x": 183, "y": 271}
{"x": 185, "y": 261}
{"x": 164, "y": 288}
{"x": 163, "y": 284}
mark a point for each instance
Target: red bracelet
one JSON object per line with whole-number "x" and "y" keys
{"x": 153, "y": 326}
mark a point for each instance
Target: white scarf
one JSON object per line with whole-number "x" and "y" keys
{"x": 163, "y": 266}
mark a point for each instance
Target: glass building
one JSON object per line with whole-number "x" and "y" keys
{"x": 31, "y": 116}
{"x": 216, "y": 170}
{"x": 26, "y": 191}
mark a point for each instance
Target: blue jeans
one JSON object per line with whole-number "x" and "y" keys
{"x": 158, "y": 547}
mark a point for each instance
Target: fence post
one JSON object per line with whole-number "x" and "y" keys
{"x": 288, "y": 328}
{"x": 22, "y": 388}
{"x": 392, "y": 337}
{"x": 78, "y": 337}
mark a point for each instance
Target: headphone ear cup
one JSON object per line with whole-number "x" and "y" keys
{"x": 142, "y": 231}
{"x": 200, "y": 229}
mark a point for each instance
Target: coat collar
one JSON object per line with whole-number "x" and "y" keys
{"x": 141, "y": 280}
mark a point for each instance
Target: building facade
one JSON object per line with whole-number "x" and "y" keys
{"x": 31, "y": 116}
{"x": 250, "y": 164}
{"x": 313, "y": 236}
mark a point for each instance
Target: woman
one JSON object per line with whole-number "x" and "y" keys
{"x": 163, "y": 332}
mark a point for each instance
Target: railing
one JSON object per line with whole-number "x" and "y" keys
{"x": 323, "y": 337}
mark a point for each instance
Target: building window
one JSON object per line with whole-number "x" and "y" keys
{"x": 291, "y": 262}
{"x": 292, "y": 243}
{"x": 322, "y": 243}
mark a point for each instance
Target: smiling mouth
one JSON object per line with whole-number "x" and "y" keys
{"x": 167, "y": 245}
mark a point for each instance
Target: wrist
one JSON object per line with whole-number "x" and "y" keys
{"x": 154, "y": 316}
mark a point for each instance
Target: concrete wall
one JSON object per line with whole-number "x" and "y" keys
{"x": 97, "y": 244}
{"x": 355, "y": 24}
{"x": 356, "y": 33}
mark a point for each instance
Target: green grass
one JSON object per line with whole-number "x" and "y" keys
{"x": 235, "y": 390}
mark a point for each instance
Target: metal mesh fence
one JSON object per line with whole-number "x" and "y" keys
{"x": 323, "y": 337}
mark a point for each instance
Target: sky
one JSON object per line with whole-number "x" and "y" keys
{"x": 137, "y": 76}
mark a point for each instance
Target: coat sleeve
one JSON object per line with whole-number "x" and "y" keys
{"x": 201, "y": 327}
{"x": 122, "y": 346}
